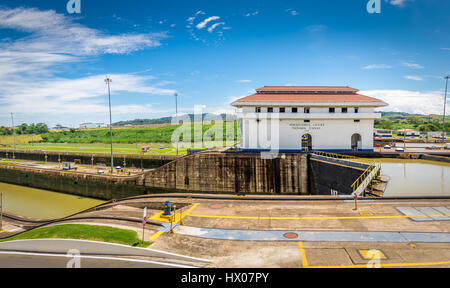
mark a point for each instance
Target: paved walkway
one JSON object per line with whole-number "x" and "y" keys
{"x": 310, "y": 236}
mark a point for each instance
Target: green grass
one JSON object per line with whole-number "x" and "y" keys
{"x": 163, "y": 134}
{"x": 84, "y": 232}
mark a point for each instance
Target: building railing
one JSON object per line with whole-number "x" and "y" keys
{"x": 361, "y": 184}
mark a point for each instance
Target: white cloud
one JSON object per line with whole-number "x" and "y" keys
{"x": 445, "y": 49}
{"x": 252, "y": 14}
{"x": 212, "y": 27}
{"x": 378, "y": 66}
{"x": 409, "y": 101}
{"x": 29, "y": 66}
{"x": 244, "y": 81}
{"x": 203, "y": 24}
{"x": 292, "y": 11}
{"x": 55, "y": 33}
{"x": 415, "y": 78}
{"x": 399, "y": 3}
{"x": 60, "y": 96}
{"x": 412, "y": 65}
{"x": 198, "y": 35}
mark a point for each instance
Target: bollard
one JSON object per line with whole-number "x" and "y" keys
{"x": 171, "y": 226}
{"x": 181, "y": 217}
{"x": 355, "y": 197}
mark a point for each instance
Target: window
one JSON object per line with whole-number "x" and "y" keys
{"x": 356, "y": 110}
{"x": 294, "y": 110}
{"x": 356, "y": 121}
{"x": 344, "y": 109}
{"x": 331, "y": 110}
{"x": 306, "y": 121}
{"x": 307, "y": 110}
{"x": 270, "y": 110}
{"x": 282, "y": 110}
{"x": 258, "y": 109}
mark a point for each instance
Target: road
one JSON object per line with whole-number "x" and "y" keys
{"x": 35, "y": 260}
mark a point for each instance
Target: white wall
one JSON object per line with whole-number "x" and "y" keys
{"x": 326, "y": 134}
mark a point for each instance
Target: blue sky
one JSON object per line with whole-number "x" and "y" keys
{"x": 52, "y": 63}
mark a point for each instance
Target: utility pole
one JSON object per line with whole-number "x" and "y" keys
{"x": 14, "y": 135}
{"x": 107, "y": 81}
{"x": 445, "y": 104}
{"x": 176, "y": 117}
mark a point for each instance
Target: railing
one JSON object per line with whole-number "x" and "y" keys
{"x": 360, "y": 185}
{"x": 341, "y": 159}
{"x": 334, "y": 155}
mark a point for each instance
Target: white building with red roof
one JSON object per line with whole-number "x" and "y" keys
{"x": 305, "y": 118}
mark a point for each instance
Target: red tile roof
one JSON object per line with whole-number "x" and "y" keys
{"x": 308, "y": 98}
{"x": 306, "y": 88}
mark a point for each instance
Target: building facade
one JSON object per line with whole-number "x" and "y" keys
{"x": 305, "y": 118}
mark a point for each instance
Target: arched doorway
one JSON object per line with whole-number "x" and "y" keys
{"x": 307, "y": 142}
{"x": 356, "y": 142}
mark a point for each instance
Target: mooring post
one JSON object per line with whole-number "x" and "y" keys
{"x": 181, "y": 217}
{"x": 356, "y": 201}
{"x": 171, "y": 225}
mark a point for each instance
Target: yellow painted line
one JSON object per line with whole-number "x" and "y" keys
{"x": 315, "y": 217}
{"x": 303, "y": 255}
{"x": 175, "y": 218}
{"x": 156, "y": 235}
{"x": 386, "y": 265}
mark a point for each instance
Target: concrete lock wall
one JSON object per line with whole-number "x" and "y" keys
{"x": 81, "y": 184}
{"x": 326, "y": 176}
{"x": 233, "y": 173}
{"x": 146, "y": 162}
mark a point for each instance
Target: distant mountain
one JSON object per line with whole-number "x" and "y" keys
{"x": 163, "y": 120}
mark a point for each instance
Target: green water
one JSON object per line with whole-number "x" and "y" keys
{"x": 416, "y": 177}
{"x": 42, "y": 204}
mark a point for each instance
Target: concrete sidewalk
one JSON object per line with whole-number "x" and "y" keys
{"x": 310, "y": 236}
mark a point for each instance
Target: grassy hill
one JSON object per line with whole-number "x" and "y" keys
{"x": 141, "y": 134}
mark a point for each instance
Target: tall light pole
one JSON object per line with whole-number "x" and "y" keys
{"x": 445, "y": 104}
{"x": 107, "y": 81}
{"x": 176, "y": 117}
{"x": 14, "y": 135}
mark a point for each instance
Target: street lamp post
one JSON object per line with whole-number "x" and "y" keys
{"x": 445, "y": 104}
{"x": 176, "y": 117}
{"x": 14, "y": 135}
{"x": 108, "y": 81}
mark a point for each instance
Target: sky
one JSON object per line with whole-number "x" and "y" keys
{"x": 53, "y": 62}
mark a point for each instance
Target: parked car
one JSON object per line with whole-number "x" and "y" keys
{"x": 387, "y": 147}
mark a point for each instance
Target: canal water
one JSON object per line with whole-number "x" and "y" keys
{"x": 42, "y": 204}
{"x": 415, "y": 177}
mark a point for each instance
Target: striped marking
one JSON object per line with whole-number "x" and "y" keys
{"x": 387, "y": 265}
{"x": 306, "y": 265}
{"x": 303, "y": 255}
{"x": 314, "y": 217}
{"x": 156, "y": 235}
{"x": 177, "y": 215}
